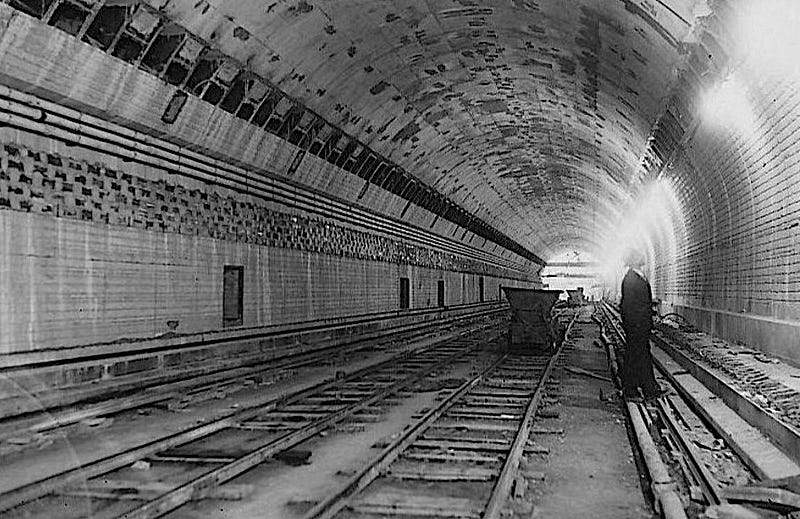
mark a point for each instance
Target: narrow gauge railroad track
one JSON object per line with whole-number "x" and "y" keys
{"x": 194, "y": 462}
{"x": 461, "y": 457}
{"x": 676, "y": 419}
{"x": 777, "y": 397}
{"x": 691, "y": 477}
{"x": 763, "y": 401}
{"x": 67, "y": 407}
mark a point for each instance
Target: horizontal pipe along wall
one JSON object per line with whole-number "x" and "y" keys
{"x": 115, "y": 240}
{"x": 96, "y": 254}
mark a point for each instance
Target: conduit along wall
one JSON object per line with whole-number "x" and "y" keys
{"x": 124, "y": 235}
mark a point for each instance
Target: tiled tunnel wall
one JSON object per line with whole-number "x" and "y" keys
{"x": 95, "y": 254}
{"x": 735, "y": 271}
{"x": 112, "y": 232}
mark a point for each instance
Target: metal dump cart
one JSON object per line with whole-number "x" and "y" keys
{"x": 531, "y": 327}
{"x": 576, "y": 297}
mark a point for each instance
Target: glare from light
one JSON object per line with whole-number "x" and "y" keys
{"x": 768, "y": 35}
{"x": 726, "y": 106}
{"x": 649, "y": 224}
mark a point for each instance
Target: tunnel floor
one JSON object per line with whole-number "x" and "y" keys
{"x": 591, "y": 469}
{"x": 433, "y": 443}
{"x": 584, "y": 458}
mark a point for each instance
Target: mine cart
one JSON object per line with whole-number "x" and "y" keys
{"x": 532, "y": 328}
{"x": 576, "y": 297}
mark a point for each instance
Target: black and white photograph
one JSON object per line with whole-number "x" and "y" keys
{"x": 400, "y": 259}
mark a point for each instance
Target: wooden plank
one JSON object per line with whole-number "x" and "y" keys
{"x": 490, "y": 409}
{"x": 463, "y": 445}
{"x": 278, "y": 416}
{"x": 311, "y": 408}
{"x": 442, "y": 472}
{"x": 502, "y": 394}
{"x": 507, "y": 383}
{"x": 189, "y": 459}
{"x": 71, "y": 416}
{"x": 473, "y": 425}
{"x": 268, "y": 425}
{"x": 496, "y": 400}
{"x": 389, "y": 503}
{"x": 468, "y": 457}
{"x": 762, "y": 495}
{"x": 580, "y": 371}
{"x": 483, "y": 416}
{"x": 144, "y": 491}
{"x": 432, "y": 435}
{"x": 546, "y": 430}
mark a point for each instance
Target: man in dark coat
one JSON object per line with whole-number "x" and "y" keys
{"x": 637, "y": 321}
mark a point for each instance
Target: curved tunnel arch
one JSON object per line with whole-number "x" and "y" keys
{"x": 439, "y": 34}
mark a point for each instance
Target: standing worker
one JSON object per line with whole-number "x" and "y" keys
{"x": 637, "y": 321}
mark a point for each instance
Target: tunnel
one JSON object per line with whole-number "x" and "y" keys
{"x": 195, "y": 191}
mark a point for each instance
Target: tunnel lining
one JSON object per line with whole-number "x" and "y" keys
{"x": 213, "y": 73}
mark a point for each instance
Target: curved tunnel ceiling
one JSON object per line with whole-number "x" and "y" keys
{"x": 534, "y": 116}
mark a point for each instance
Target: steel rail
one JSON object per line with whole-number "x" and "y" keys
{"x": 164, "y": 391}
{"x": 51, "y": 484}
{"x": 713, "y": 492}
{"x": 332, "y": 505}
{"x": 198, "y": 378}
{"x": 204, "y": 483}
{"x": 710, "y": 487}
{"x": 775, "y": 430}
{"x": 661, "y": 482}
{"x": 668, "y": 501}
{"x": 502, "y": 487}
{"x": 784, "y": 435}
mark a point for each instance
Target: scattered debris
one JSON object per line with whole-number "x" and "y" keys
{"x": 716, "y": 445}
{"x": 19, "y": 440}
{"x": 519, "y": 487}
{"x": 349, "y": 427}
{"x": 177, "y": 407}
{"x": 98, "y": 421}
{"x": 429, "y": 386}
{"x": 548, "y": 413}
{"x": 580, "y": 371}
{"x": 294, "y": 457}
